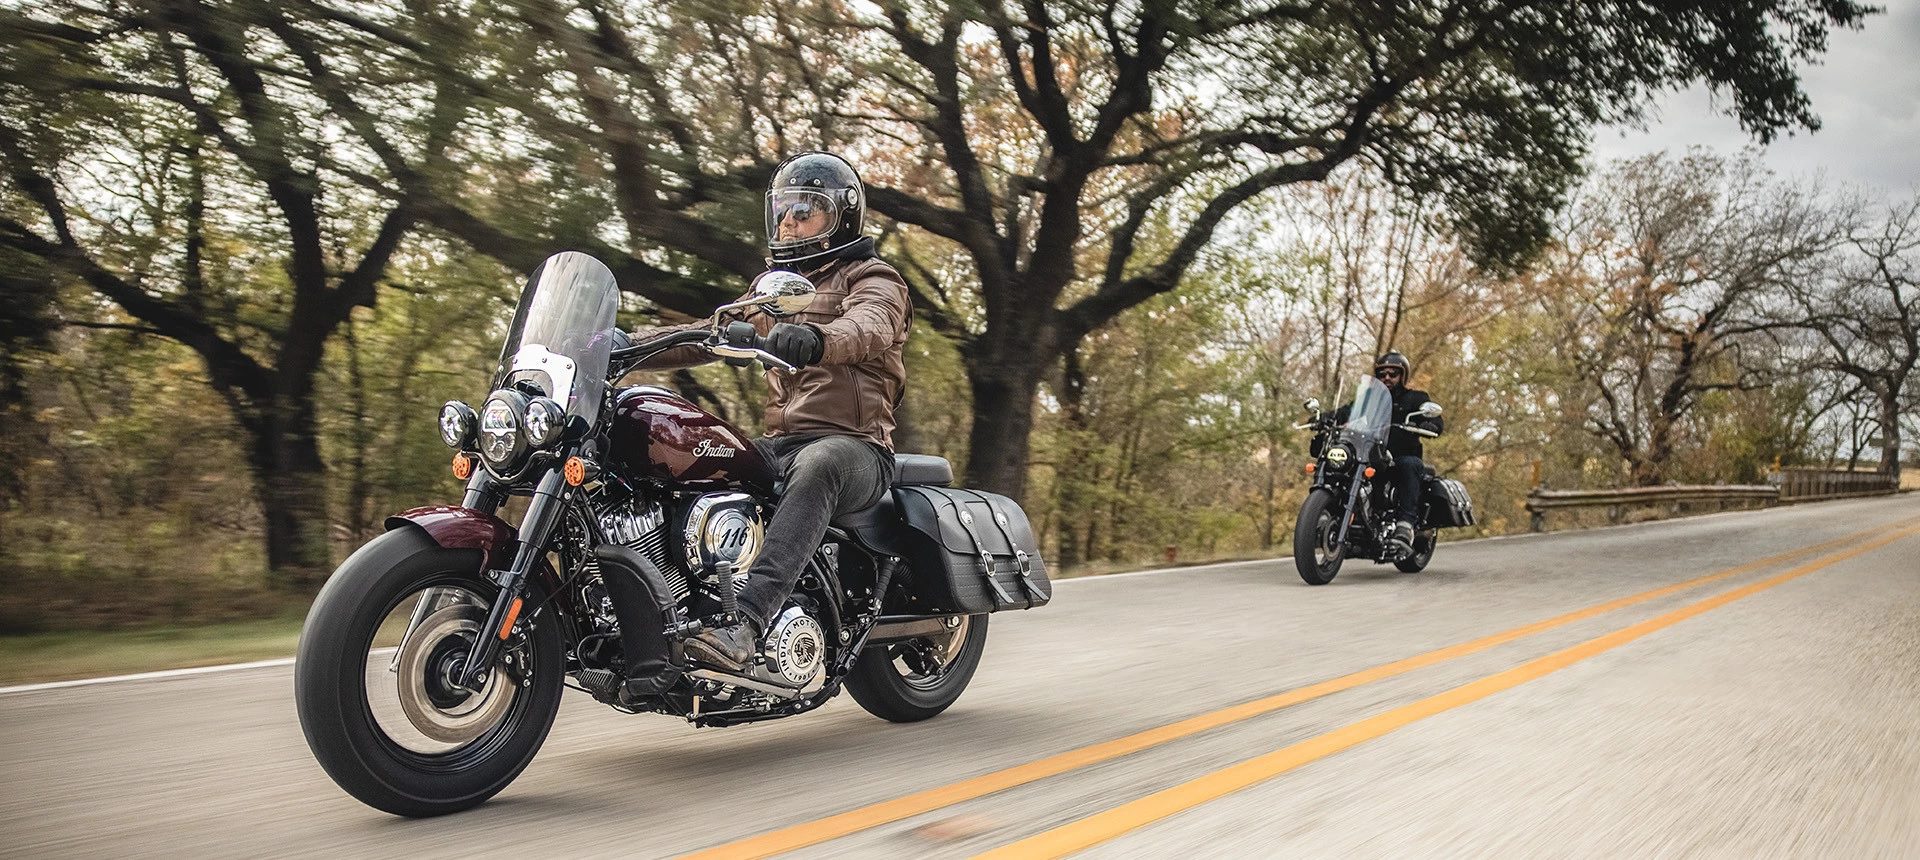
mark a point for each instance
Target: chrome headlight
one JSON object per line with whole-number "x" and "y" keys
{"x": 1339, "y": 455}
{"x": 502, "y": 444}
{"x": 544, "y": 421}
{"x": 457, "y": 423}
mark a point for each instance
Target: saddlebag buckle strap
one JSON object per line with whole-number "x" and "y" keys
{"x": 1024, "y": 567}
{"x": 985, "y": 556}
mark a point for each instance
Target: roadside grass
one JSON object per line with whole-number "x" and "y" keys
{"x": 34, "y": 657}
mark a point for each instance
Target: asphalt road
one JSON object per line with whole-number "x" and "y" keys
{"x": 1779, "y": 718}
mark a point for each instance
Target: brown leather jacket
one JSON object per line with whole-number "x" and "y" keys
{"x": 861, "y": 309}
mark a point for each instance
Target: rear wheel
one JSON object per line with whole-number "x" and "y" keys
{"x": 1423, "y": 544}
{"x": 905, "y": 682}
{"x": 373, "y": 680}
{"x": 1316, "y": 553}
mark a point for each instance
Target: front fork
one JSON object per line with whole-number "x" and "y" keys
{"x": 549, "y": 500}
{"x": 1355, "y": 487}
{"x": 482, "y": 495}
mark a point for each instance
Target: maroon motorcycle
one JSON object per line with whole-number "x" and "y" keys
{"x": 432, "y": 663}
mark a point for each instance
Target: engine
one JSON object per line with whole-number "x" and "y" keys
{"x": 714, "y": 530}
{"x": 691, "y": 544}
{"x": 641, "y": 525}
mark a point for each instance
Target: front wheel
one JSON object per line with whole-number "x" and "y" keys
{"x": 1316, "y": 551}
{"x": 906, "y": 682}
{"x": 373, "y": 680}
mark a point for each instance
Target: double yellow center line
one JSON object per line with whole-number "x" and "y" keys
{"x": 1107, "y": 825}
{"x": 1122, "y": 819}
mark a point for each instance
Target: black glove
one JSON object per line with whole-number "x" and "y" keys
{"x": 798, "y": 345}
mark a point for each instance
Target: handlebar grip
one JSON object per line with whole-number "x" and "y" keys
{"x": 743, "y": 334}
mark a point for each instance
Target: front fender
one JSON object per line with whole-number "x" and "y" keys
{"x": 455, "y": 527}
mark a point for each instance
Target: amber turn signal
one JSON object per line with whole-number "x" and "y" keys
{"x": 576, "y": 471}
{"x": 462, "y": 466}
{"x": 1311, "y": 467}
{"x": 513, "y": 614}
{"x": 1368, "y": 472}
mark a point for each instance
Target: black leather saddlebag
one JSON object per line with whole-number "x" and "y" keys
{"x": 970, "y": 551}
{"x": 1447, "y": 504}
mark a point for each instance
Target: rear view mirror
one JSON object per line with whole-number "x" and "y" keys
{"x": 783, "y": 293}
{"x": 1430, "y": 409}
{"x": 1312, "y": 404}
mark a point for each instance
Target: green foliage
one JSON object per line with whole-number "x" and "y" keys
{"x": 279, "y": 258}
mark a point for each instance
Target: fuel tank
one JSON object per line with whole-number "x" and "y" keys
{"x": 657, "y": 434}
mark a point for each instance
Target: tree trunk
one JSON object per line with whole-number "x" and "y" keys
{"x": 1270, "y": 517}
{"x": 359, "y": 515}
{"x": 1070, "y": 481}
{"x": 286, "y": 463}
{"x": 1890, "y": 433}
{"x": 1003, "y": 387}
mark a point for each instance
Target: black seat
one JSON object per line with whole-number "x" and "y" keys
{"x": 922, "y": 470}
{"x": 877, "y": 527}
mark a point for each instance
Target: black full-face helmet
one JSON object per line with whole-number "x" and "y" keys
{"x": 1393, "y": 360}
{"x": 815, "y": 206}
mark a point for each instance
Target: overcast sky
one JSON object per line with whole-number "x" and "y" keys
{"x": 1867, "y": 94}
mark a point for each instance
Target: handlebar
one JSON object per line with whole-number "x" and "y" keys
{"x": 1327, "y": 422}
{"x": 743, "y": 341}
{"x": 740, "y": 340}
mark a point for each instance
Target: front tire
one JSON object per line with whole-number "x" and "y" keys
{"x": 452, "y": 749}
{"x": 1314, "y": 556}
{"x": 906, "y": 682}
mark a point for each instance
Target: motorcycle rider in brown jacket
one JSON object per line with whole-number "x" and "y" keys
{"x": 829, "y": 425}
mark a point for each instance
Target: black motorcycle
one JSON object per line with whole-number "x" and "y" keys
{"x": 1351, "y": 507}
{"x": 432, "y": 663}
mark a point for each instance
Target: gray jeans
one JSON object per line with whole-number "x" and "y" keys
{"x": 826, "y": 476}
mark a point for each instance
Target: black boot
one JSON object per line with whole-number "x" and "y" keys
{"x": 1400, "y": 539}
{"x": 732, "y": 647}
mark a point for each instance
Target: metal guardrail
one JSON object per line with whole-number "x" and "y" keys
{"x": 1787, "y": 486}
{"x": 1542, "y": 500}
{"x": 1809, "y": 485}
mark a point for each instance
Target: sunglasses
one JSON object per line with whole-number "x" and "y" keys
{"x": 1387, "y": 373}
{"x": 797, "y": 211}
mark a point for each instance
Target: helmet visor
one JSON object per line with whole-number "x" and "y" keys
{"x": 796, "y": 216}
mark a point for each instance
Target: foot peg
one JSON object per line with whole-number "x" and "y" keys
{"x": 599, "y": 683}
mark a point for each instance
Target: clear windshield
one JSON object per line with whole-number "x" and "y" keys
{"x": 1372, "y": 410}
{"x": 563, "y": 332}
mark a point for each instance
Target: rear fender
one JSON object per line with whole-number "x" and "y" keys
{"x": 454, "y": 527}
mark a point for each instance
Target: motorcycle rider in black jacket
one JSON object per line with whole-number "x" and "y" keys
{"x": 1409, "y": 470}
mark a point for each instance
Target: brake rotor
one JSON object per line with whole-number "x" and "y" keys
{"x": 424, "y": 676}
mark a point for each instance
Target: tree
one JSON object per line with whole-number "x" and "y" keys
{"x": 1038, "y": 139}
{"x": 161, "y": 156}
{"x": 1063, "y": 128}
{"x": 1661, "y": 287}
{"x": 1866, "y": 313}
